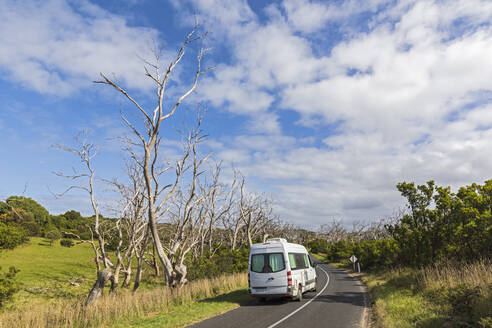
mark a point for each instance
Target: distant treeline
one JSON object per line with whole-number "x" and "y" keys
{"x": 22, "y": 217}
{"x": 438, "y": 226}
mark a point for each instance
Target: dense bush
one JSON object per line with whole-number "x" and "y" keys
{"x": 8, "y": 285}
{"x": 40, "y": 215}
{"x": 339, "y": 251}
{"x": 53, "y": 235}
{"x": 67, "y": 243}
{"x": 11, "y": 236}
{"x": 317, "y": 246}
{"x": 443, "y": 226}
{"x": 377, "y": 254}
{"x": 223, "y": 261}
{"x": 440, "y": 226}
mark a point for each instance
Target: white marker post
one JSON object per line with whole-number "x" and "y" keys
{"x": 353, "y": 259}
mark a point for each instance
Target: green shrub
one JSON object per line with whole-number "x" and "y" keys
{"x": 11, "y": 236}
{"x": 442, "y": 225}
{"x": 67, "y": 243}
{"x": 222, "y": 262}
{"x": 339, "y": 251}
{"x": 40, "y": 215}
{"x": 8, "y": 285}
{"x": 377, "y": 254}
{"x": 317, "y": 246}
{"x": 53, "y": 235}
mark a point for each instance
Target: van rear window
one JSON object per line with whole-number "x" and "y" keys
{"x": 267, "y": 262}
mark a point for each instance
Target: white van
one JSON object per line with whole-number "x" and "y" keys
{"x": 280, "y": 269}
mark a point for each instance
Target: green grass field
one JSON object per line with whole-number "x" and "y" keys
{"x": 45, "y": 270}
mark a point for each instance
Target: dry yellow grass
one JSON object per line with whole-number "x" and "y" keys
{"x": 474, "y": 274}
{"x": 121, "y": 305}
{"x": 436, "y": 296}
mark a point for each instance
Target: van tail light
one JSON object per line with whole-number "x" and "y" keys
{"x": 249, "y": 282}
{"x": 289, "y": 279}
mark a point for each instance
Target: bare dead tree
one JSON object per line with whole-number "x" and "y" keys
{"x": 140, "y": 250}
{"x": 86, "y": 152}
{"x": 232, "y": 225}
{"x": 149, "y": 138}
{"x": 130, "y": 225}
{"x": 219, "y": 202}
{"x": 358, "y": 231}
{"x": 291, "y": 232}
{"x": 256, "y": 213}
{"x": 333, "y": 231}
{"x": 231, "y": 220}
{"x": 188, "y": 216}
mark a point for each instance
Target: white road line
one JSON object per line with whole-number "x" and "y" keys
{"x": 302, "y": 307}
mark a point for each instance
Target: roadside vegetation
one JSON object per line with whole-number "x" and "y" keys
{"x": 429, "y": 266}
{"x": 436, "y": 296}
{"x": 127, "y": 308}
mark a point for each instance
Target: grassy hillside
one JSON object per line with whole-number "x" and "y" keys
{"x": 45, "y": 271}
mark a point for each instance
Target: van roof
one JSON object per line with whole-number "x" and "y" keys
{"x": 277, "y": 242}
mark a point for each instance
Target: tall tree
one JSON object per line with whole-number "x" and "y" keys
{"x": 149, "y": 140}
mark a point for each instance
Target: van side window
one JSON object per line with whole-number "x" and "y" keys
{"x": 306, "y": 261}
{"x": 298, "y": 261}
{"x": 268, "y": 262}
{"x": 292, "y": 261}
{"x": 311, "y": 261}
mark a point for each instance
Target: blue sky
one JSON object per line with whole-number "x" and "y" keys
{"x": 325, "y": 105}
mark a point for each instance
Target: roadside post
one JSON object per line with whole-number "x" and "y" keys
{"x": 353, "y": 259}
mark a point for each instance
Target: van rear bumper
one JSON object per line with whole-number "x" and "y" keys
{"x": 276, "y": 294}
{"x": 271, "y": 295}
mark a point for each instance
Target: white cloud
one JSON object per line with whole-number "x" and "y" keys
{"x": 234, "y": 156}
{"x": 54, "y": 47}
{"x": 228, "y": 88}
{"x": 409, "y": 93}
{"x": 309, "y": 16}
{"x": 265, "y": 123}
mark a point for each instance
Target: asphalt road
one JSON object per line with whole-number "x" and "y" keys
{"x": 338, "y": 302}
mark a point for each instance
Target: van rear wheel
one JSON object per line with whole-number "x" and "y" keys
{"x": 299, "y": 294}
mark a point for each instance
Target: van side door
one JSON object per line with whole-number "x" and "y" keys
{"x": 311, "y": 271}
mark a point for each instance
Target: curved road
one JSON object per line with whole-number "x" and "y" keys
{"x": 339, "y": 302}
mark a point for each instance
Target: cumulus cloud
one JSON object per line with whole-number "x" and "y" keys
{"x": 409, "y": 93}
{"x": 56, "y": 47}
{"x": 309, "y": 16}
{"x": 409, "y": 90}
